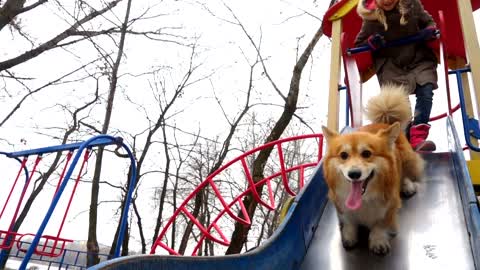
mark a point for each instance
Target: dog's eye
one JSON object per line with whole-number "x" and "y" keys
{"x": 366, "y": 154}
{"x": 344, "y": 155}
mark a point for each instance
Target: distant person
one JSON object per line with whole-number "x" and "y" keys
{"x": 412, "y": 65}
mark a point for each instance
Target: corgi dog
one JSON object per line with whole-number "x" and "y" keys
{"x": 367, "y": 170}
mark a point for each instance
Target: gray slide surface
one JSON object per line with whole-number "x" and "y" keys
{"x": 432, "y": 235}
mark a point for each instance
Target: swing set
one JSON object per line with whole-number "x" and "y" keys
{"x": 53, "y": 245}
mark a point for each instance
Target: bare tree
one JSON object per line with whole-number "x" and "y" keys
{"x": 240, "y": 234}
{"x": 177, "y": 166}
{"x": 92, "y": 243}
{"x": 12, "y": 8}
{"x": 219, "y": 156}
{"x": 79, "y": 31}
{"x": 161, "y": 123}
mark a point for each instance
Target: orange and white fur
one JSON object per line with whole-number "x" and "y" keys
{"x": 366, "y": 170}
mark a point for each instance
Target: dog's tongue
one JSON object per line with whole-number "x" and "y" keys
{"x": 354, "y": 199}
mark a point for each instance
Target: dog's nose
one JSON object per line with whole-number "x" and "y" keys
{"x": 354, "y": 174}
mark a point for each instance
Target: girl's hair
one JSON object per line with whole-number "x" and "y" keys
{"x": 403, "y": 7}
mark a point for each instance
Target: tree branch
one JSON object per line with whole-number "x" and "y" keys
{"x": 54, "y": 41}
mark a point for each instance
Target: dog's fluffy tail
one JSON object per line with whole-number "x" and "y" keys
{"x": 390, "y": 106}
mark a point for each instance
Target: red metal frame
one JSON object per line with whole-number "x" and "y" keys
{"x": 68, "y": 158}
{"x": 353, "y": 83}
{"x": 22, "y": 166}
{"x": 444, "y": 52}
{"x": 252, "y": 189}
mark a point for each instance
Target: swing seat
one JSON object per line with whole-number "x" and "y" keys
{"x": 7, "y": 239}
{"x": 51, "y": 246}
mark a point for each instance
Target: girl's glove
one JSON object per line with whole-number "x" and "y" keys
{"x": 429, "y": 33}
{"x": 376, "y": 41}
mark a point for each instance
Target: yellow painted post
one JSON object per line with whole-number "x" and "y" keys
{"x": 347, "y": 6}
{"x": 471, "y": 44}
{"x": 333, "y": 95}
{"x": 474, "y": 171}
{"x": 473, "y": 56}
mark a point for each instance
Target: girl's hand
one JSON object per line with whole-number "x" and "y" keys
{"x": 429, "y": 33}
{"x": 376, "y": 41}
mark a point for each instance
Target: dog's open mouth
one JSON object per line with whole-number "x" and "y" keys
{"x": 366, "y": 181}
{"x": 358, "y": 188}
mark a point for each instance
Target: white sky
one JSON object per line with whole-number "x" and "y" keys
{"x": 221, "y": 46}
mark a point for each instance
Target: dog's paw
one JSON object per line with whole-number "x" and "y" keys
{"x": 379, "y": 243}
{"x": 408, "y": 188}
{"x": 380, "y": 249}
{"x": 349, "y": 244}
{"x": 349, "y": 236}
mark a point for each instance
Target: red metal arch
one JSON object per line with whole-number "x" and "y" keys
{"x": 207, "y": 231}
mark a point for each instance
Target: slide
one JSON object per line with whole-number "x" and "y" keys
{"x": 439, "y": 229}
{"x": 433, "y": 233}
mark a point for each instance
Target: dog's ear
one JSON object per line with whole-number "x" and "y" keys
{"x": 328, "y": 133}
{"x": 391, "y": 133}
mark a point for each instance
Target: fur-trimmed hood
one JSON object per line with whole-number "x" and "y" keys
{"x": 368, "y": 10}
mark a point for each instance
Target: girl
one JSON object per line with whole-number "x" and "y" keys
{"x": 412, "y": 65}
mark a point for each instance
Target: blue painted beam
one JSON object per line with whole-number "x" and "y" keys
{"x": 65, "y": 147}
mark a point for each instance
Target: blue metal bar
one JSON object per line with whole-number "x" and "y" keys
{"x": 95, "y": 141}
{"x": 66, "y": 147}
{"x": 60, "y": 263}
{"x": 394, "y": 43}
{"x": 465, "y": 120}
{"x": 460, "y": 70}
{"x": 347, "y": 113}
{"x": 128, "y": 200}
{"x": 19, "y": 160}
{"x": 76, "y": 258}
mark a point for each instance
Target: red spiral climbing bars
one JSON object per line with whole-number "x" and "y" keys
{"x": 207, "y": 231}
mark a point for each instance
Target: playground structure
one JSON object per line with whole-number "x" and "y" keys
{"x": 42, "y": 246}
{"x": 441, "y": 224}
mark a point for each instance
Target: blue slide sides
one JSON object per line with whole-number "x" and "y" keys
{"x": 285, "y": 249}
{"x": 470, "y": 203}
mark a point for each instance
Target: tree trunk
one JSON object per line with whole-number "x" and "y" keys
{"x": 240, "y": 233}
{"x": 117, "y": 231}
{"x": 221, "y": 157}
{"x": 188, "y": 230}
{"x": 92, "y": 242}
{"x": 140, "y": 228}
{"x": 53, "y": 43}
{"x": 163, "y": 193}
